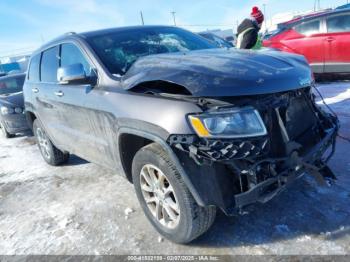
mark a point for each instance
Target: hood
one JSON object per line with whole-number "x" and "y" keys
{"x": 223, "y": 72}
{"x": 14, "y": 100}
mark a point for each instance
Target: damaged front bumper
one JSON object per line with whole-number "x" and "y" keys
{"x": 312, "y": 163}
{"x": 235, "y": 173}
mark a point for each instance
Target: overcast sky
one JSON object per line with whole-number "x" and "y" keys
{"x": 26, "y": 24}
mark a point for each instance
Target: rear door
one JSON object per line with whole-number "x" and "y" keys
{"x": 338, "y": 43}
{"x": 310, "y": 43}
{"x": 45, "y": 98}
{"x": 31, "y": 85}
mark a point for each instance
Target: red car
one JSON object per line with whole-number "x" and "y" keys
{"x": 323, "y": 38}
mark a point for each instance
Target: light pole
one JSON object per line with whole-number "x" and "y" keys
{"x": 173, "y": 13}
{"x": 142, "y": 21}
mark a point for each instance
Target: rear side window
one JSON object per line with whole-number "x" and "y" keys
{"x": 71, "y": 54}
{"x": 11, "y": 85}
{"x": 340, "y": 23}
{"x": 308, "y": 28}
{"x": 34, "y": 72}
{"x": 49, "y": 65}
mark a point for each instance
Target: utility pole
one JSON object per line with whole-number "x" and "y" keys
{"x": 142, "y": 21}
{"x": 173, "y": 13}
{"x": 317, "y": 5}
{"x": 265, "y": 23}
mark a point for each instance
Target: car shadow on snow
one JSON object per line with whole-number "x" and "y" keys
{"x": 303, "y": 209}
{"x": 75, "y": 161}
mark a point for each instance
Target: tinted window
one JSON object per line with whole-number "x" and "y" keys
{"x": 71, "y": 54}
{"x": 339, "y": 23}
{"x": 119, "y": 50}
{"x": 34, "y": 73}
{"x": 49, "y": 65}
{"x": 308, "y": 28}
{"x": 11, "y": 85}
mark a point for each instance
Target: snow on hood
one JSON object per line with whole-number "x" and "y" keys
{"x": 223, "y": 72}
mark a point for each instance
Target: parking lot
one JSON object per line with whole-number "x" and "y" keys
{"x": 81, "y": 208}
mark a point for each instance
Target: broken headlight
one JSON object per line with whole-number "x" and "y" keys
{"x": 232, "y": 123}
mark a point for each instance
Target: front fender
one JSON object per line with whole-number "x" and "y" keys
{"x": 156, "y": 135}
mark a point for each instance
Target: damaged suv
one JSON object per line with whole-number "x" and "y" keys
{"x": 193, "y": 127}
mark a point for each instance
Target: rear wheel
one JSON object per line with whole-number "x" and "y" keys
{"x": 4, "y": 131}
{"x": 51, "y": 154}
{"x": 165, "y": 199}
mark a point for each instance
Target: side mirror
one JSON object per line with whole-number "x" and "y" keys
{"x": 74, "y": 73}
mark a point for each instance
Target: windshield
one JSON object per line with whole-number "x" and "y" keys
{"x": 119, "y": 50}
{"x": 217, "y": 40}
{"x": 11, "y": 85}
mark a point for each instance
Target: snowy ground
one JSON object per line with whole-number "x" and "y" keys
{"x": 81, "y": 209}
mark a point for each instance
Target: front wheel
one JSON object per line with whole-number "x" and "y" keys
{"x": 165, "y": 199}
{"x": 51, "y": 154}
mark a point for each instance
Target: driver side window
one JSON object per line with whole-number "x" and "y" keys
{"x": 71, "y": 54}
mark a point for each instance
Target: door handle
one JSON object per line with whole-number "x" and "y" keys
{"x": 59, "y": 93}
{"x": 330, "y": 39}
{"x": 35, "y": 90}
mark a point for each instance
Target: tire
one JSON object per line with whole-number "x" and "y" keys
{"x": 4, "y": 132}
{"x": 191, "y": 219}
{"x": 51, "y": 154}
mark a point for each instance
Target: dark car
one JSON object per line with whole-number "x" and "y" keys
{"x": 323, "y": 38}
{"x": 193, "y": 127}
{"x": 12, "y": 117}
{"x": 220, "y": 42}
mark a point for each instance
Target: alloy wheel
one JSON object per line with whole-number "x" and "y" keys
{"x": 44, "y": 142}
{"x": 159, "y": 196}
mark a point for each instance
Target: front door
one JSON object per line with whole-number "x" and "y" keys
{"x": 311, "y": 44}
{"x": 86, "y": 133}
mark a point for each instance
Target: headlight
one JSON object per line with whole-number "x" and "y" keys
{"x": 233, "y": 123}
{"x": 6, "y": 110}
{"x": 18, "y": 110}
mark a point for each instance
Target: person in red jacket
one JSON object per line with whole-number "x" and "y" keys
{"x": 247, "y": 31}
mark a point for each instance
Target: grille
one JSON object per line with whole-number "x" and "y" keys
{"x": 221, "y": 150}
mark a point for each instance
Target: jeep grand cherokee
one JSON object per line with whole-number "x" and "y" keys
{"x": 193, "y": 127}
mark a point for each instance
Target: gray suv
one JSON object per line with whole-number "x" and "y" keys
{"x": 193, "y": 127}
